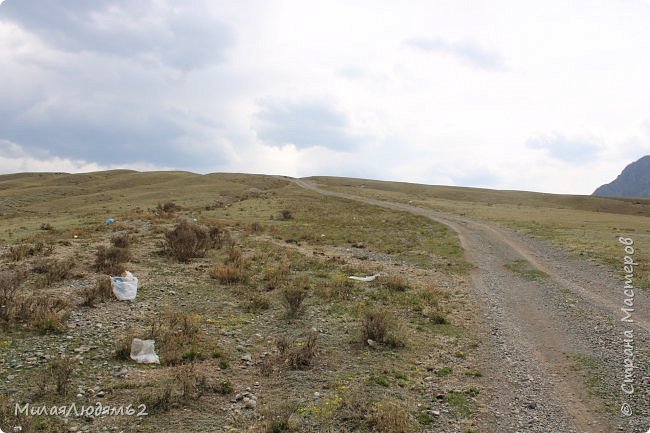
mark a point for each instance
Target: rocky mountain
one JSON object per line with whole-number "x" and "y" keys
{"x": 634, "y": 181}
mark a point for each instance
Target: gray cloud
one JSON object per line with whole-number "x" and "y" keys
{"x": 466, "y": 51}
{"x": 180, "y": 37}
{"x": 304, "y": 124}
{"x": 574, "y": 150}
{"x": 101, "y": 90}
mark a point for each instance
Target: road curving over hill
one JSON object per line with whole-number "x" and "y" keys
{"x": 552, "y": 349}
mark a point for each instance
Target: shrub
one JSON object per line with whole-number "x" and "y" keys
{"x": 44, "y": 313}
{"x": 286, "y": 215}
{"x": 167, "y": 209}
{"x": 10, "y": 282}
{"x": 294, "y": 295}
{"x": 54, "y": 270}
{"x": 257, "y": 302}
{"x": 396, "y": 283}
{"x": 101, "y": 291}
{"x": 225, "y": 387}
{"x": 219, "y": 237}
{"x": 187, "y": 240}
{"x": 121, "y": 240}
{"x": 18, "y": 252}
{"x": 111, "y": 260}
{"x": 59, "y": 372}
{"x": 178, "y": 335}
{"x": 379, "y": 325}
{"x": 256, "y": 227}
{"x": 276, "y": 277}
{"x": 303, "y": 357}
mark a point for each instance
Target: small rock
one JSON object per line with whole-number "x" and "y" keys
{"x": 247, "y": 357}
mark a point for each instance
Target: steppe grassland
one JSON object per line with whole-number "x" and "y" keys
{"x": 318, "y": 351}
{"x": 587, "y": 226}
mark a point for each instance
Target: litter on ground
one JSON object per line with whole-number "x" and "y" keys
{"x": 125, "y": 288}
{"x": 143, "y": 351}
{"x": 368, "y": 278}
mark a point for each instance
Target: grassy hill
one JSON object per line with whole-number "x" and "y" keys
{"x": 244, "y": 287}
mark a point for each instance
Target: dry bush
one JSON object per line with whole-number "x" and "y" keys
{"x": 122, "y": 344}
{"x": 302, "y": 357}
{"x": 121, "y": 240}
{"x": 47, "y": 227}
{"x": 18, "y": 252}
{"x": 396, "y": 283}
{"x": 389, "y": 417}
{"x": 183, "y": 384}
{"x": 59, "y": 373}
{"x": 41, "y": 248}
{"x": 10, "y": 282}
{"x": 44, "y": 313}
{"x": 219, "y": 237}
{"x": 276, "y": 277}
{"x": 283, "y": 343}
{"x": 167, "y": 209}
{"x": 179, "y": 337}
{"x": 286, "y": 215}
{"x": 100, "y": 292}
{"x": 354, "y": 411}
{"x": 340, "y": 289}
{"x": 187, "y": 240}
{"x": 380, "y": 326}
{"x": 256, "y": 227}
{"x": 257, "y": 302}
{"x": 294, "y": 295}
{"x": 53, "y": 270}
{"x": 235, "y": 257}
{"x": 111, "y": 260}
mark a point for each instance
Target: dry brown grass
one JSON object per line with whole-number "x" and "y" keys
{"x": 53, "y": 270}
{"x": 111, "y": 260}
{"x": 179, "y": 337}
{"x": 303, "y": 356}
{"x": 18, "y": 252}
{"x": 121, "y": 240}
{"x": 396, "y": 283}
{"x": 294, "y": 295}
{"x": 10, "y": 282}
{"x": 389, "y": 417}
{"x": 378, "y": 325}
{"x": 228, "y": 273}
{"x": 100, "y": 292}
{"x": 276, "y": 277}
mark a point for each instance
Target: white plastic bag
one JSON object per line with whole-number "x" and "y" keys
{"x": 143, "y": 351}
{"x": 125, "y": 288}
{"x": 368, "y": 278}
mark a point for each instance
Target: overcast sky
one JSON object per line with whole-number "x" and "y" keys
{"x": 545, "y": 96}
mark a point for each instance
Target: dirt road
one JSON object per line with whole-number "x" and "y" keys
{"x": 552, "y": 346}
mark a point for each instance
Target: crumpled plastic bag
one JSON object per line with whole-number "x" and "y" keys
{"x": 125, "y": 288}
{"x": 368, "y": 278}
{"x": 143, "y": 352}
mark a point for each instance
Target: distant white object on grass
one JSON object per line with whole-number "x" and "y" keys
{"x": 368, "y": 278}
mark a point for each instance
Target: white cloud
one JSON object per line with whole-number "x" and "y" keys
{"x": 488, "y": 96}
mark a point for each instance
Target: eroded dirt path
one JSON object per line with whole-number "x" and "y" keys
{"x": 552, "y": 346}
